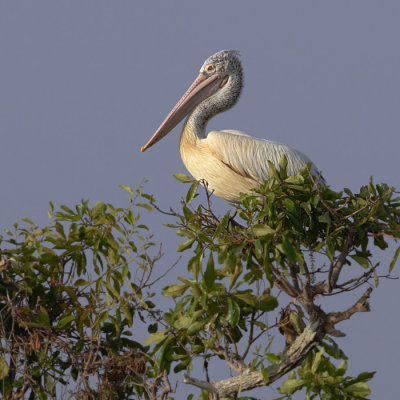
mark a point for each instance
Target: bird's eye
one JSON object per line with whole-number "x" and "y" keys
{"x": 209, "y": 68}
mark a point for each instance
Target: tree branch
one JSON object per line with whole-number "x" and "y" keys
{"x": 335, "y": 269}
{"x": 291, "y": 358}
{"x": 200, "y": 384}
{"x": 362, "y": 305}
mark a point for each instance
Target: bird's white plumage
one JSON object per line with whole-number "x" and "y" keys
{"x": 233, "y": 162}
{"x": 249, "y": 155}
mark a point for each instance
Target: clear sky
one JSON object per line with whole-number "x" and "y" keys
{"x": 83, "y": 85}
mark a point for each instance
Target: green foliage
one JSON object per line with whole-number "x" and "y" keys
{"x": 322, "y": 379}
{"x": 236, "y": 271}
{"x": 73, "y": 294}
{"x": 287, "y": 217}
{"x": 68, "y": 301}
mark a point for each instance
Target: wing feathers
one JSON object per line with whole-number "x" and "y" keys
{"x": 248, "y": 156}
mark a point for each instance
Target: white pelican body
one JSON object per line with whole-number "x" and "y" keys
{"x": 230, "y": 161}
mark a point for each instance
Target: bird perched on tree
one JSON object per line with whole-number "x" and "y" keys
{"x": 230, "y": 161}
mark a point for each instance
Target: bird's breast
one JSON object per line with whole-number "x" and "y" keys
{"x": 222, "y": 179}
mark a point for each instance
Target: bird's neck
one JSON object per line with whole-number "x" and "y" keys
{"x": 195, "y": 124}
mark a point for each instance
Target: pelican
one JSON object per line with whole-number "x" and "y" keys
{"x": 230, "y": 161}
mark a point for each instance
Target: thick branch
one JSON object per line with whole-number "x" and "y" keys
{"x": 291, "y": 358}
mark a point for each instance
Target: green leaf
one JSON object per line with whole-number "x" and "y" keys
{"x": 317, "y": 360}
{"x": 334, "y": 351}
{"x": 183, "y": 322}
{"x": 195, "y": 288}
{"x": 196, "y": 327}
{"x": 272, "y": 358}
{"x": 325, "y": 218}
{"x": 292, "y": 385}
{"x": 43, "y": 316}
{"x": 128, "y": 315}
{"x": 359, "y": 389}
{"x": 156, "y": 337}
{"x": 185, "y": 232}
{"x": 295, "y": 320}
{"x": 65, "y": 321}
{"x": 192, "y": 193}
{"x": 233, "y": 315}
{"x": 175, "y": 290}
{"x": 66, "y": 209}
{"x": 184, "y": 178}
{"x": 82, "y": 282}
{"x": 361, "y": 260}
{"x": 272, "y": 171}
{"x": 3, "y": 368}
{"x": 98, "y": 208}
{"x": 380, "y": 242}
{"x": 288, "y": 250}
{"x": 185, "y": 245}
{"x": 103, "y": 316}
{"x": 365, "y": 376}
{"x": 283, "y": 162}
{"x": 264, "y": 374}
{"x": 330, "y": 249}
{"x": 194, "y": 264}
{"x": 127, "y": 188}
{"x": 209, "y": 275}
{"x": 396, "y": 255}
{"x": 146, "y": 206}
{"x": 295, "y": 180}
{"x": 182, "y": 366}
{"x": 376, "y": 279}
{"x": 152, "y": 328}
{"x": 291, "y": 206}
{"x": 260, "y": 230}
{"x": 187, "y": 212}
{"x": 342, "y": 368}
{"x": 266, "y": 302}
{"x": 247, "y": 298}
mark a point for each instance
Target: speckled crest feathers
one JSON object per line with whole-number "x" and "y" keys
{"x": 223, "y": 55}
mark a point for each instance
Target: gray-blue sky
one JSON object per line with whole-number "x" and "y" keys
{"x": 84, "y": 84}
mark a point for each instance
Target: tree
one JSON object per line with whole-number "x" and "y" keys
{"x": 74, "y": 294}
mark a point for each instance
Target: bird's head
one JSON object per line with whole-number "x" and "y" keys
{"x": 224, "y": 63}
{"x": 214, "y": 75}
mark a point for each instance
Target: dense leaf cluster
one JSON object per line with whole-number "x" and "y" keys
{"x": 74, "y": 294}
{"x": 292, "y": 236}
{"x": 69, "y": 294}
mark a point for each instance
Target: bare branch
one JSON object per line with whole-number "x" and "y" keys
{"x": 250, "y": 339}
{"x": 335, "y": 269}
{"x": 282, "y": 283}
{"x": 200, "y": 384}
{"x": 362, "y": 305}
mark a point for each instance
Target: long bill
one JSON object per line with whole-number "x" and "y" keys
{"x": 203, "y": 87}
